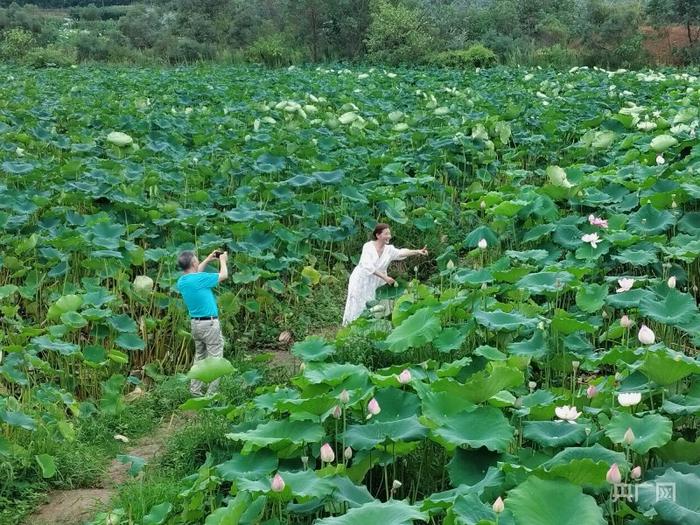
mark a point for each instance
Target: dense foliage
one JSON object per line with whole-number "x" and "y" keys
{"x": 562, "y": 213}
{"x": 607, "y": 33}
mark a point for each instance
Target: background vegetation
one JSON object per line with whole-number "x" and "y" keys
{"x": 464, "y": 33}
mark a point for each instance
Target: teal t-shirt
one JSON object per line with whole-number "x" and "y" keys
{"x": 196, "y": 291}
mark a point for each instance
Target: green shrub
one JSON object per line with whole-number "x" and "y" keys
{"x": 397, "y": 35}
{"x": 50, "y": 57}
{"x": 89, "y": 47}
{"x": 690, "y": 55}
{"x": 272, "y": 51}
{"x": 555, "y": 56}
{"x": 16, "y": 42}
{"x": 178, "y": 50}
{"x": 476, "y": 55}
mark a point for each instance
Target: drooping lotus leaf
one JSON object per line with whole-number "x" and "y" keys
{"x": 449, "y": 339}
{"x": 482, "y": 385}
{"x": 541, "y": 501}
{"x": 415, "y": 331}
{"x": 469, "y": 466}
{"x": 62, "y": 347}
{"x": 369, "y": 435}
{"x": 630, "y": 298}
{"x": 470, "y": 510}
{"x": 680, "y": 450}
{"x": 582, "y": 472}
{"x": 681, "y": 405}
{"x": 490, "y": 483}
{"x": 535, "y": 347}
{"x": 482, "y": 427}
{"x": 252, "y": 466}
{"x": 313, "y": 348}
{"x": 591, "y": 297}
{"x": 332, "y": 373}
{"x": 130, "y": 342}
{"x": 650, "y": 431}
{"x": 393, "y": 512}
{"x": 674, "y": 308}
{"x": 554, "y": 433}
{"x": 482, "y": 232}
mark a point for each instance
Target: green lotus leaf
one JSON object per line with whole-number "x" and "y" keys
{"x": 663, "y": 142}
{"x": 47, "y": 465}
{"x": 332, "y": 373}
{"x": 629, "y": 299}
{"x": 650, "y": 221}
{"x": 499, "y": 320}
{"x": 537, "y": 283}
{"x": 368, "y": 436}
{"x": 690, "y": 223}
{"x": 540, "y": 501}
{"x": 438, "y": 407}
{"x": 130, "y": 342}
{"x": 481, "y": 427}
{"x": 449, "y": 339}
{"x": 674, "y": 497}
{"x": 415, "y": 331}
{"x": 650, "y": 431}
{"x": 123, "y": 323}
{"x": 66, "y": 303}
{"x": 596, "y": 454}
{"x": 63, "y": 348}
{"x": 73, "y": 320}
{"x": 17, "y": 419}
{"x": 470, "y": 510}
{"x": 482, "y": 232}
{"x": 567, "y": 324}
{"x": 665, "y": 366}
{"x": 582, "y": 472}
{"x": 680, "y": 450}
{"x": 210, "y": 368}
{"x": 469, "y": 466}
{"x": 538, "y": 232}
{"x": 278, "y": 435}
{"x": 535, "y": 347}
{"x": 591, "y": 297}
{"x": 393, "y": 512}
{"x": 482, "y": 385}
{"x": 472, "y": 277}
{"x": 674, "y": 308}
{"x": 681, "y": 405}
{"x": 158, "y": 514}
{"x": 313, "y": 348}
{"x": 257, "y": 465}
{"x": 554, "y": 433}
{"x": 636, "y": 256}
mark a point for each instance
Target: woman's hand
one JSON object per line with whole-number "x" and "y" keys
{"x": 389, "y": 280}
{"x": 422, "y": 251}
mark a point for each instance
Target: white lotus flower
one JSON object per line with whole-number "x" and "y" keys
{"x": 592, "y": 239}
{"x": 483, "y": 244}
{"x": 629, "y": 399}
{"x": 660, "y": 160}
{"x": 625, "y": 285}
{"x": 567, "y": 413}
{"x": 646, "y": 335}
{"x": 671, "y": 281}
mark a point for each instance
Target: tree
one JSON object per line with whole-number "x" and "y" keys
{"x": 685, "y": 12}
{"x": 398, "y": 34}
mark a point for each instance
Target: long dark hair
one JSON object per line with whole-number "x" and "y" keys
{"x": 378, "y": 229}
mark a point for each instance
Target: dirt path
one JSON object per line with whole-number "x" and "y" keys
{"x": 74, "y": 507}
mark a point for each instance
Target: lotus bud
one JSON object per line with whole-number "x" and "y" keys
{"x": 450, "y": 265}
{"x": 344, "y": 397}
{"x": 628, "y": 438}
{"x": 347, "y": 453}
{"x": 518, "y": 402}
{"x": 674, "y": 204}
{"x": 604, "y": 314}
{"x": 636, "y": 472}
{"x": 671, "y": 281}
{"x": 143, "y": 284}
{"x": 327, "y": 454}
{"x": 613, "y": 476}
{"x": 305, "y": 461}
{"x": 625, "y": 322}
{"x": 575, "y": 365}
{"x": 695, "y": 288}
{"x": 498, "y": 505}
{"x": 277, "y": 483}
{"x": 302, "y": 367}
{"x": 483, "y": 244}
{"x": 587, "y": 430}
{"x": 373, "y": 408}
{"x": 531, "y": 385}
{"x": 482, "y": 205}
{"x": 540, "y": 325}
{"x": 646, "y": 335}
{"x": 483, "y": 286}
{"x": 396, "y": 485}
{"x": 591, "y": 392}
{"x": 337, "y": 412}
{"x": 660, "y": 160}
{"x": 404, "y": 377}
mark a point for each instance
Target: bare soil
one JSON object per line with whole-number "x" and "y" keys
{"x": 660, "y": 43}
{"x": 74, "y": 507}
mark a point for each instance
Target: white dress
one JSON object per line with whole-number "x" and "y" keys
{"x": 363, "y": 283}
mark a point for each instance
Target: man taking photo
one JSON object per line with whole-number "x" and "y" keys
{"x": 196, "y": 286}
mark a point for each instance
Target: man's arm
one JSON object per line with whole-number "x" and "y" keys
{"x": 203, "y": 265}
{"x": 223, "y": 270}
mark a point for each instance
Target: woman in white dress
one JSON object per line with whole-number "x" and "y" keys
{"x": 370, "y": 273}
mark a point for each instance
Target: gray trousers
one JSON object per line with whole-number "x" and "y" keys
{"x": 208, "y": 342}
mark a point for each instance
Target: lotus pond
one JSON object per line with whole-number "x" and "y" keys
{"x": 540, "y": 368}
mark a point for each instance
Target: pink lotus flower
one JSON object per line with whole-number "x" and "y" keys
{"x": 498, "y": 505}
{"x": 327, "y": 454}
{"x": 646, "y": 335}
{"x": 567, "y": 413}
{"x": 591, "y": 392}
{"x": 344, "y": 397}
{"x": 373, "y": 407}
{"x": 625, "y": 285}
{"x": 597, "y": 221}
{"x": 337, "y": 412}
{"x": 625, "y": 322}
{"x": 405, "y": 377}
{"x": 636, "y": 472}
{"x": 277, "y": 483}
{"x": 613, "y": 476}
{"x": 592, "y": 239}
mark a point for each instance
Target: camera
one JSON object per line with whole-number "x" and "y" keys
{"x": 217, "y": 253}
